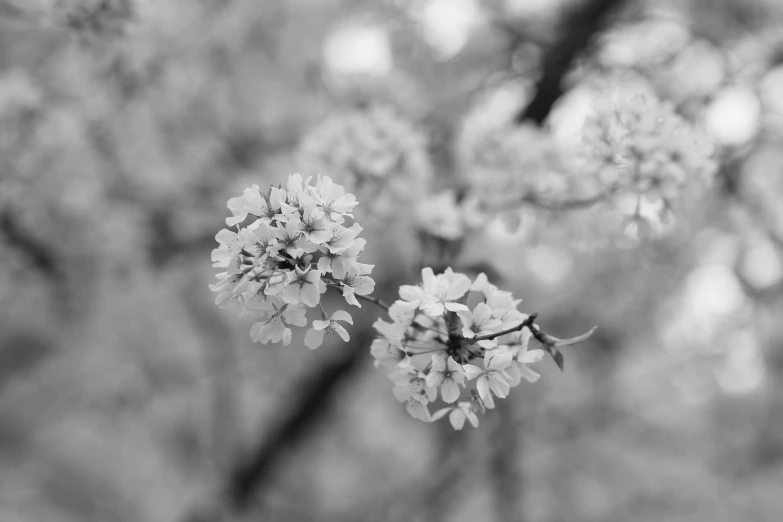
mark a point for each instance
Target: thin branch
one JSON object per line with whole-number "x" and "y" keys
{"x": 36, "y": 252}
{"x": 578, "y": 28}
{"x": 527, "y": 323}
{"x": 253, "y": 469}
{"x": 549, "y": 343}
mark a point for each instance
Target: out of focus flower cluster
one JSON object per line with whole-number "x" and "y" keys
{"x": 295, "y": 245}
{"x": 375, "y": 152}
{"x": 641, "y": 147}
{"x": 461, "y": 340}
{"x": 509, "y": 165}
{"x": 642, "y": 162}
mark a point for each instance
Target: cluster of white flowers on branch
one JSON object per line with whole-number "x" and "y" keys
{"x": 639, "y": 164}
{"x": 451, "y": 333}
{"x": 295, "y": 246}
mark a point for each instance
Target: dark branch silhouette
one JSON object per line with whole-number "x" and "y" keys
{"x": 40, "y": 257}
{"x": 255, "y": 467}
{"x": 577, "y": 29}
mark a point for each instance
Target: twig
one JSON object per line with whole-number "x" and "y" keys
{"x": 527, "y": 323}
{"x": 549, "y": 343}
{"x": 254, "y": 469}
{"x": 36, "y": 252}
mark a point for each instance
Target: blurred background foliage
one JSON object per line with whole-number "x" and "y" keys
{"x": 125, "y": 395}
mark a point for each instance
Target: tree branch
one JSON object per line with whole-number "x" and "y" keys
{"x": 578, "y": 28}
{"x": 527, "y": 323}
{"x": 253, "y": 469}
{"x": 36, "y": 252}
{"x": 549, "y": 343}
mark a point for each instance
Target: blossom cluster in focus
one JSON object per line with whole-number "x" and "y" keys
{"x": 283, "y": 249}
{"x": 440, "y": 345}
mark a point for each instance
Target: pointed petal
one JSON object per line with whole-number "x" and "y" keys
{"x": 342, "y": 332}
{"x": 441, "y": 413}
{"x": 471, "y": 371}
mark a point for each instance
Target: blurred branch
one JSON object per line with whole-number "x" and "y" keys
{"x": 251, "y": 470}
{"x": 314, "y": 394}
{"x": 578, "y": 27}
{"x": 36, "y": 252}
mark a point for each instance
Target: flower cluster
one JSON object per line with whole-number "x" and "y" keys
{"x": 462, "y": 340}
{"x": 295, "y": 245}
{"x": 641, "y": 147}
{"x": 445, "y": 216}
{"x": 507, "y": 166}
{"x": 375, "y": 152}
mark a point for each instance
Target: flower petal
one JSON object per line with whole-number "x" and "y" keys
{"x": 314, "y": 338}
{"x": 434, "y": 379}
{"x": 342, "y": 315}
{"x": 458, "y": 287}
{"x": 457, "y": 419}
{"x": 528, "y": 374}
{"x": 341, "y": 332}
{"x": 498, "y": 386}
{"x": 472, "y": 371}
{"x": 449, "y": 391}
{"x": 454, "y": 307}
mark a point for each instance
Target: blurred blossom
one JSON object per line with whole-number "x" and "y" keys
{"x": 711, "y": 295}
{"x": 494, "y": 107}
{"x": 712, "y": 303}
{"x": 760, "y": 264}
{"x": 742, "y": 368}
{"x": 550, "y": 265}
{"x": 567, "y": 120}
{"x": 447, "y": 25}
{"x": 644, "y": 44}
{"x": 359, "y": 50}
{"x": 528, "y": 8}
{"x": 441, "y": 215}
{"x": 734, "y": 117}
{"x": 640, "y": 146}
{"x": 377, "y": 153}
{"x": 18, "y": 92}
{"x": 771, "y": 94}
{"x": 507, "y": 164}
{"x": 698, "y": 70}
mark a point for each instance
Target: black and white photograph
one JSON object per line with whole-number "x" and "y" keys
{"x": 391, "y": 260}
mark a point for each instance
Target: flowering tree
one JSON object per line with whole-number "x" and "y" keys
{"x": 621, "y": 175}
